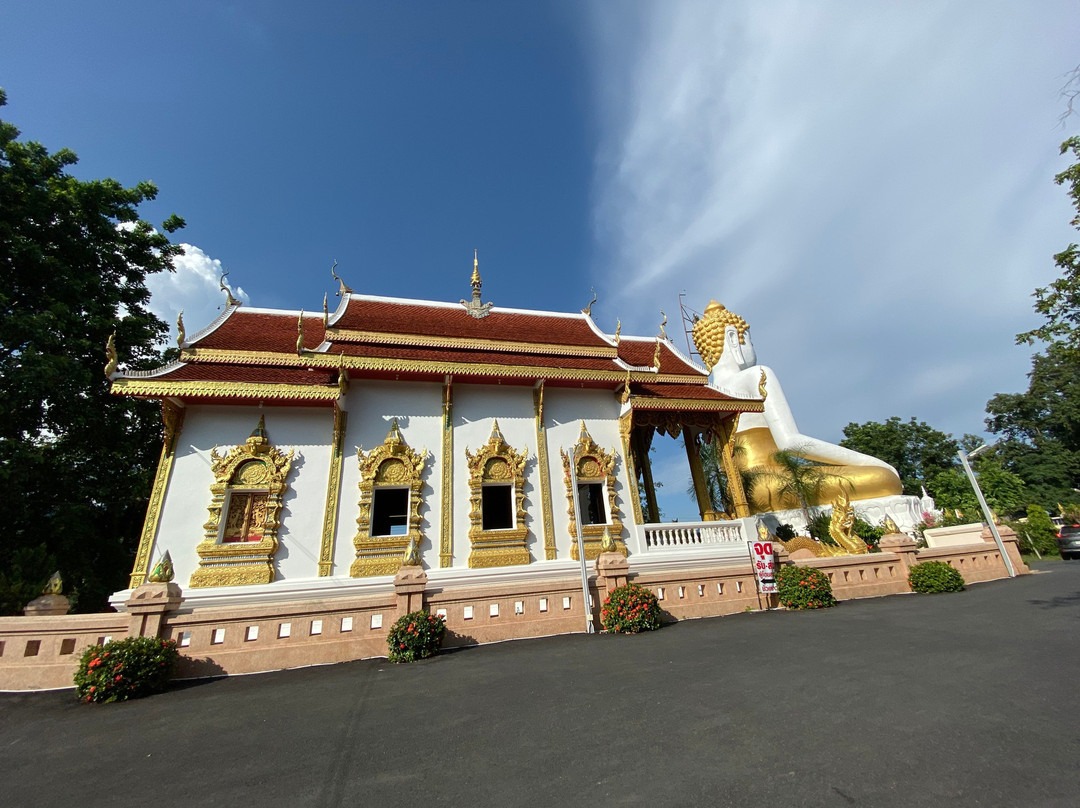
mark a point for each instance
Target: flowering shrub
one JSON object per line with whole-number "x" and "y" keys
{"x": 935, "y": 576}
{"x": 630, "y": 609}
{"x": 125, "y": 669}
{"x": 415, "y": 636}
{"x": 804, "y": 588}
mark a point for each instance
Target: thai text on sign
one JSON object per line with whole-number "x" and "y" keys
{"x": 764, "y": 563}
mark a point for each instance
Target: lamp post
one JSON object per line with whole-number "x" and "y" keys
{"x": 589, "y": 627}
{"x": 982, "y": 504}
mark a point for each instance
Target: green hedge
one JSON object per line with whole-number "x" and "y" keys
{"x": 804, "y": 588}
{"x": 935, "y": 576}
{"x": 414, "y": 636}
{"x": 125, "y": 669}
{"x": 630, "y": 609}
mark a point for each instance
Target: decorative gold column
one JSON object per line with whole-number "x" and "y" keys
{"x": 545, "y": 473}
{"x": 333, "y": 494}
{"x": 697, "y": 473}
{"x": 172, "y": 417}
{"x": 446, "y": 512}
{"x": 731, "y": 469}
{"x": 625, "y": 426}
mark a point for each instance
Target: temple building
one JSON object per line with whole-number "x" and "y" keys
{"x": 306, "y": 454}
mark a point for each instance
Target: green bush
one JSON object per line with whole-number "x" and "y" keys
{"x": 785, "y": 532}
{"x": 415, "y": 636}
{"x": 630, "y": 609}
{"x": 869, "y": 534}
{"x": 1039, "y": 531}
{"x": 935, "y": 576}
{"x": 125, "y": 669}
{"x": 804, "y": 588}
{"x": 819, "y": 528}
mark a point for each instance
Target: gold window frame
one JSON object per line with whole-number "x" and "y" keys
{"x": 394, "y": 464}
{"x": 254, "y": 466}
{"x": 497, "y": 462}
{"x": 592, "y": 464}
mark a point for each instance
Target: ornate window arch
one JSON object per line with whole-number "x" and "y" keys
{"x": 595, "y": 469}
{"x": 391, "y": 467}
{"x": 497, "y": 485}
{"x": 249, "y": 483}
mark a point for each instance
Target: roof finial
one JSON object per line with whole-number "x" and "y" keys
{"x": 626, "y": 388}
{"x": 618, "y": 331}
{"x": 112, "y": 360}
{"x": 663, "y": 325}
{"x": 229, "y": 299}
{"x": 475, "y": 280}
{"x": 656, "y": 356}
{"x": 587, "y": 311}
{"x": 325, "y": 313}
{"x": 181, "y": 335}
{"x": 300, "y": 334}
{"x": 344, "y": 290}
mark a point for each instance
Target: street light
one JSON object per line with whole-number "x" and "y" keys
{"x": 982, "y": 504}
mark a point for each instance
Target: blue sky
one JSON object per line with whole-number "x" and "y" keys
{"x": 869, "y": 185}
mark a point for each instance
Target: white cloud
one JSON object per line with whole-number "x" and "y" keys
{"x": 869, "y": 186}
{"x": 193, "y": 288}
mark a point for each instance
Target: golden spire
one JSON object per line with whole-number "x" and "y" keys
{"x": 181, "y": 335}
{"x": 475, "y": 281}
{"x": 474, "y": 307}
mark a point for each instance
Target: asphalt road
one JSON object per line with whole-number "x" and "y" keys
{"x": 959, "y": 700}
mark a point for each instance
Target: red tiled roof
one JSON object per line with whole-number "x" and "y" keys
{"x": 692, "y": 391}
{"x": 640, "y": 354}
{"x": 246, "y": 330}
{"x": 474, "y": 357}
{"x": 362, "y": 314}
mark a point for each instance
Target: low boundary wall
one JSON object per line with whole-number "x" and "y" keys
{"x": 39, "y": 652}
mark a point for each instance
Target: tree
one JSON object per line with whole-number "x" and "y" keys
{"x": 716, "y": 478}
{"x": 1004, "y": 491}
{"x": 75, "y": 462}
{"x": 1041, "y": 427}
{"x": 797, "y": 478}
{"x": 916, "y": 450}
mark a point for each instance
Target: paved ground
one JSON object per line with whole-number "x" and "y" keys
{"x": 958, "y": 700}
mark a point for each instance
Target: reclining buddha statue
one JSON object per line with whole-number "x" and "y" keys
{"x": 723, "y": 340}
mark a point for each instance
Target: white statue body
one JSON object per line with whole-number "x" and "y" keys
{"x": 736, "y": 371}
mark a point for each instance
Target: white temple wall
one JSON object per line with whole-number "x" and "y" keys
{"x": 184, "y": 511}
{"x": 476, "y": 407}
{"x": 372, "y": 406}
{"x": 564, "y": 409}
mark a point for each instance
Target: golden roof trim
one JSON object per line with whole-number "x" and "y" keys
{"x": 192, "y": 387}
{"x": 731, "y": 405}
{"x": 431, "y": 341}
{"x": 334, "y": 361}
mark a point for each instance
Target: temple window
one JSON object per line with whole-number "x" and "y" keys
{"x": 389, "y": 511}
{"x": 391, "y": 481}
{"x": 594, "y": 469}
{"x": 250, "y": 482}
{"x": 498, "y": 533}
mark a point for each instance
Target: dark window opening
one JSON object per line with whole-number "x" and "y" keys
{"x": 495, "y": 507}
{"x": 389, "y": 511}
{"x": 591, "y": 497}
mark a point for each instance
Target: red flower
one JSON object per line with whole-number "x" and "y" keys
{"x": 118, "y": 678}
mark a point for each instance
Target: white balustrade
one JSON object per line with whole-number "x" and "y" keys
{"x": 673, "y": 535}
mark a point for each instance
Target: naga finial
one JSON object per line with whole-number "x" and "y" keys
{"x": 626, "y": 388}
{"x": 300, "y": 334}
{"x": 761, "y": 385}
{"x": 656, "y": 356}
{"x": 54, "y": 586}
{"x": 325, "y": 314}
{"x": 163, "y": 571}
{"x": 344, "y": 290}
{"x": 663, "y": 325}
{"x": 230, "y": 300}
{"x": 342, "y": 376}
{"x": 411, "y": 557}
{"x": 618, "y": 331}
{"x": 587, "y": 311}
{"x": 181, "y": 335}
{"x": 112, "y": 360}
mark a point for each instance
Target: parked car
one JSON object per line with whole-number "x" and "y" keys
{"x": 1068, "y": 539}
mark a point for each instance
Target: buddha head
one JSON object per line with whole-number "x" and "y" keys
{"x": 723, "y": 339}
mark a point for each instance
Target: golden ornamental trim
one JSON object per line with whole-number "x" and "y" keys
{"x": 736, "y": 405}
{"x": 333, "y": 494}
{"x": 497, "y": 462}
{"x": 626, "y": 426}
{"x": 550, "y": 549}
{"x": 249, "y": 483}
{"x": 266, "y": 390}
{"x": 446, "y": 470}
{"x": 309, "y": 359}
{"x": 393, "y": 464}
{"x": 172, "y": 417}
{"x": 476, "y": 344}
{"x": 591, "y": 464}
